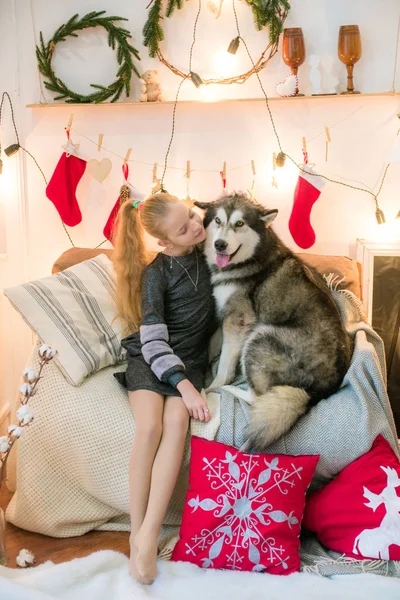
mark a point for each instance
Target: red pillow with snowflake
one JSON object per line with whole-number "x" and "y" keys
{"x": 243, "y": 511}
{"x": 358, "y": 512}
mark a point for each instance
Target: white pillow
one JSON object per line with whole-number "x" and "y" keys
{"x": 74, "y": 312}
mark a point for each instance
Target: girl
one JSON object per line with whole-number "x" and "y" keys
{"x": 169, "y": 306}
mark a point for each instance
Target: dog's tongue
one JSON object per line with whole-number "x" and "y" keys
{"x": 222, "y": 260}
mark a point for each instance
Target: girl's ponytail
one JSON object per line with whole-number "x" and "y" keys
{"x": 130, "y": 257}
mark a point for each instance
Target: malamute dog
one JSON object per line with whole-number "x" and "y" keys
{"x": 278, "y": 318}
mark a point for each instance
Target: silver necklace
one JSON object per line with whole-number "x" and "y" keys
{"x": 187, "y": 272}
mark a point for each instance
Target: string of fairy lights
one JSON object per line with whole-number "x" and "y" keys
{"x": 279, "y": 157}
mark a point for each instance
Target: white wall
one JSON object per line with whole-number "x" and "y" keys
{"x": 15, "y": 337}
{"x": 207, "y": 133}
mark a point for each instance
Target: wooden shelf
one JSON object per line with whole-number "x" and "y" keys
{"x": 230, "y": 100}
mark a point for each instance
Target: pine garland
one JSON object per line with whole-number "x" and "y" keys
{"x": 153, "y": 33}
{"x": 269, "y": 13}
{"x": 117, "y": 40}
{"x": 266, "y": 13}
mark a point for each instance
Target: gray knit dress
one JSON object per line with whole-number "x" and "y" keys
{"x": 177, "y": 322}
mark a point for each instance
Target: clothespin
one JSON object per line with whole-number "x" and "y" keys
{"x": 328, "y": 140}
{"x": 274, "y": 182}
{"x": 100, "y": 142}
{"x": 253, "y": 170}
{"x": 156, "y": 182}
{"x": 305, "y": 153}
{"x": 223, "y": 176}
{"x": 69, "y": 124}
{"x": 127, "y": 155}
{"x": 188, "y": 201}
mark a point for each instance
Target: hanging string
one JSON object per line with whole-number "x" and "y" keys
{"x": 172, "y": 135}
{"x": 177, "y": 95}
{"x": 335, "y": 124}
{"x": 171, "y": 167}
{"x": 375, "y": 196}
{"x": 3, "y": 97}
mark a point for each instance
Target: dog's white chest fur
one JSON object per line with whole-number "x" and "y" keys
{"x": 222, "y": 293}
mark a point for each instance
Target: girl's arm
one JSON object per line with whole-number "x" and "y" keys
{"x": 154, "y": 333}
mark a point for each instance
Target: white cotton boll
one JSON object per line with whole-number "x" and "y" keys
{"x": 24, "y": 415}
{"x": 15, "y": 430}
{"x": 46, "y": 352}
{"x": 43, "y": 349}
{"x": 26, "y": 389}
{"x": 30, "y": 375}
{"x": 25, "y": 558}
{"x": 4, "y": 444}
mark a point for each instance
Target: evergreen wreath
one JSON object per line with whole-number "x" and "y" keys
{"x": 266, "y": 13}
{"x": 117, "y": 39}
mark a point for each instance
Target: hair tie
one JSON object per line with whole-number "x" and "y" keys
{"x": 137, "y": 204}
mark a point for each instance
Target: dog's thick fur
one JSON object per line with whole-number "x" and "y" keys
{"x": 278, "y": 319}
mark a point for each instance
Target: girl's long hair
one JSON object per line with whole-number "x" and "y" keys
{"x": 130, "y": 255}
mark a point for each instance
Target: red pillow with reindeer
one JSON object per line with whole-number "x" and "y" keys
{"x": 243, "y": 511}
{"x": 358, "y": 512}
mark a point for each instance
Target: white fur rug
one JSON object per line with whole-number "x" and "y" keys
{"x": 104, "y": 576}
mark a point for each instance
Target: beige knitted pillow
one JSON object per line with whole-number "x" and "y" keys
{"x": 74, "y": 313}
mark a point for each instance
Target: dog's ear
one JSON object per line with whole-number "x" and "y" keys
{"x": 203, "y": 205}
{"x": 269, "y": 215}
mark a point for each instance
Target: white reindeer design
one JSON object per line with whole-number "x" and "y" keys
{"x": 374, "y": 543}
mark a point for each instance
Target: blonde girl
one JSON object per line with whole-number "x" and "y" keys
{"x": 168, "y": 307}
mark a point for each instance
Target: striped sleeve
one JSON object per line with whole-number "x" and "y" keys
{"x": 154, "y": 335}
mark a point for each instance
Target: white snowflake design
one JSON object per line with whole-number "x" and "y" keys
{"x": 243, "y": 506}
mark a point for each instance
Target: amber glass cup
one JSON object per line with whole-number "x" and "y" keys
{"x": 293, "y": 50}
{"x": 349, "y": 52}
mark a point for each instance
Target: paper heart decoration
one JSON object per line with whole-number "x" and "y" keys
{"x": 99, "y": 170}
{"x": 287, "y": 87}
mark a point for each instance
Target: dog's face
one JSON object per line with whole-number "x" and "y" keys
{"x": 235, "y": 226}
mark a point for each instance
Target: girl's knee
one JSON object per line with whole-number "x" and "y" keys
{"x": 148, "y": 433}
{"x": 176, "y": 419}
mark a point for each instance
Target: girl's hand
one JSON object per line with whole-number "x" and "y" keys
{"x": 194, "y": 401}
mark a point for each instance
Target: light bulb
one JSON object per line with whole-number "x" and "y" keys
{"x": 11, "y": 150}
{"x": 380, "y": 216}
{"x": 280, "y": 159}
{"x": 234, "y": 45}
{"x": 197, "y": 80}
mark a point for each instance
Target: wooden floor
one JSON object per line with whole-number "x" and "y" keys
{"x": 59, "y": 549}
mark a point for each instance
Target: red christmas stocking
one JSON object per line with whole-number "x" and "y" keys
{"x": 62, "y": 188}
{"x": 123, "y": 195}
{"x": 307, "y": 191}
{"x": 109, "y": 226}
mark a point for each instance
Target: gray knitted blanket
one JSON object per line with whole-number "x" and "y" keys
{"x": 339, "y": 429}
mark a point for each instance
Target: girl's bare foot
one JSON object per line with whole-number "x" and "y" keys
{"x": 132, "y": 560}
{"x": 146, "y": 557}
